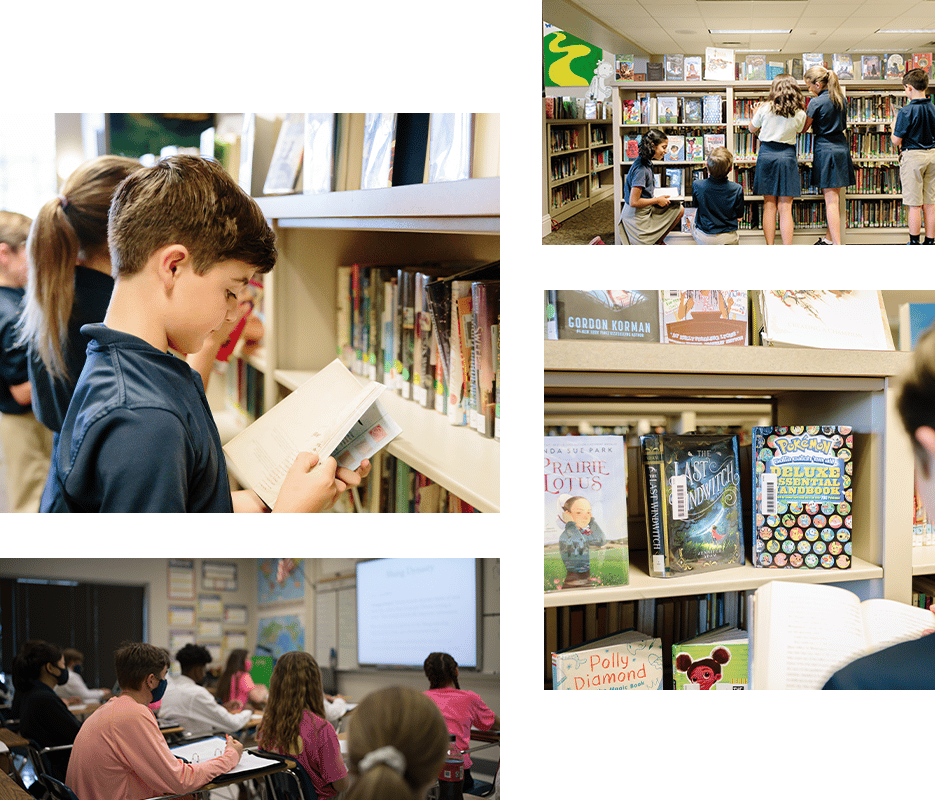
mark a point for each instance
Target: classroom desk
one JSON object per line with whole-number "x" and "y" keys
{"x": 84, "y": 710}
{"x": 11, "y": 790}
{"x": 12, "y": 739}
{"x": 231, "y": 778}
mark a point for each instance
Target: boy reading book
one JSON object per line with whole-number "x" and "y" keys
{"x": 184, "y": 241}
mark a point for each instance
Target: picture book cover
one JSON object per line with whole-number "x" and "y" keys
{"x": 704, "y": 316}
{"x": 712, "y": 140}
{"x": 843, "y": 66}
{"x": 623, "y": 68}
{"x": 628, "y": 660}
{"x": 585, "y": 512}
{"x": 712, "y": 114}
{"x": 773, "y": 68}
{"x": 674, "y": 181}
{"x": 655, "y": 71}
{"x": 922, "y": 61}
{"x": 842, "y": 319}
{"x": 895, "y": 65}
{"x": 693, "y": 68}
{"x": 870, "y": 67}
{"x": 631, "y": 112}
{"x": 796, "y": 68}
{"x": 667, "y": 110}
{"x": 675, "y": 149}
{"x": 694, "y": 148}
{"x": 756, "y": 67}
{"x": 714, "y": 660}
{"x": 688, "y": 220}
{"x": 692, "y": 109}
{"x": 607, "y": 314}
{"x": 675, "y": 67}
{"x": 631, "y": 146}
{"x": 718, "y": 64}
{"x": 802, "y": 497}
{"x": 693, "y": 504}
{"x": 812, "y": 60}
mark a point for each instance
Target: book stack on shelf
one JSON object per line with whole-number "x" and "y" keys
{"x": 449, "y": 213}
{"x": 404, "y": 490}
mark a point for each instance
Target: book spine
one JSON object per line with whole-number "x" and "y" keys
{"x": 655, "y": 499}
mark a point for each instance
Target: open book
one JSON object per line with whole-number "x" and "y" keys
{"x": 329, "y": 414}
{"x": 803, "y": 633}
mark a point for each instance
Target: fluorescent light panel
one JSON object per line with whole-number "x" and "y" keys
{"x": 906, "y": 30}
{"x": 747, "y": 30}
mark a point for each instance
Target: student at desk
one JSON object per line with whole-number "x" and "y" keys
{"x": 187, "y": 702}
{"x": 235, "y": 683}
{"x": 119, "y": 754}
{"x": 75, "y": 685}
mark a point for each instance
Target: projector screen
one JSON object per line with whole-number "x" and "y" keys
{"x": 410, "y": 607}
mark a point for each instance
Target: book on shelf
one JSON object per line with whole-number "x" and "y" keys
{"x": 460, "y": 338}
{"x": 667, "y": 110}
{"x": 923, "y": 529}
{"x": 795, "y": 68}
{"x": 550, "y": 314}
{"x": 870, "y": 68}
{"x": 674, "y": 180}
{"x": 655, "y": 71}
{"x": 321, "y": 158}
{"x": 627, "y": 660}
{"x": 810, "y": 60}
{"x": 631, "y": 146}
{"x": 623, "y": 67}
{"x": 895, "y": 65}
{"x": 842, "y": 65}
{"x": 329, "y": 414}
{"x": 693, "y": 68}
{"x": 802, "y": 494}
{"x": 631, "y": 112}
{"x": 605, "y": 314}
{"x": 914, "y": 319}
{"x": 590, "y": 109}
{"x": 922, "y": 61}
{"x": 410, "y": 149}
{"x": 712, "y": 109}
{"x": 711, "y": 141}
{"x": 803, "y": 633}
{"x": 773, "y": 69}
{"x": 376, "y": 171}
{"x": 485, "y": 303}
{"x": 691, "y": 108}
{"x": 693, "y": 504}
{"x": 755, "y": 67}
{"x": 405, "y": 490}
{"x": 821, "y": 318}
{"x": 286, "y": 164}
{"x": 451, "y": 147}
{"x": 424, "y": 345}
{"x": 704, "y": 316}
{"x": 694, "y": 148}
{"x": 675, "y": 149}
{"x": 717, "y": 659}
{"x": 585, "y": 544}
{"x": 688, "y": 220}
{"x": 718, "y": 64}
{"x": 675, "y": 67}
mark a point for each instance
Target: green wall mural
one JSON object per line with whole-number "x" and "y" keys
{"x": 568, "y": 60}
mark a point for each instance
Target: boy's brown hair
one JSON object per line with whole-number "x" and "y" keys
{"x": 136, "y": 660}
{"x": 719, "y": 162}
{"x": 916, "y": 78}
{"x": 191, "y": 201}
{"x": 14, "y": 229}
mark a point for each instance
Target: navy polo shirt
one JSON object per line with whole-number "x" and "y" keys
{"x": 13, "y": 370}
{"x": 50, "y": 397}
{"x": 827, "y": 118}
{"x": 138, "y": 435}
{"x": 915, "y": 125}
{"x": 720, "y": 205}
{"x": 641, "y": 175}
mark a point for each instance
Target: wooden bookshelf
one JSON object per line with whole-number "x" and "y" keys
{"x": 584, "y": 169}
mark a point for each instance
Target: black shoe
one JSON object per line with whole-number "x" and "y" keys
{"x": 822, "y": 241}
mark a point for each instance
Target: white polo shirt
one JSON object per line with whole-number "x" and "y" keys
{"x": 196, "y": 709}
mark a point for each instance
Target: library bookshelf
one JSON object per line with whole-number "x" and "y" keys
{"x": 871, "y": 211}
{"x": 446, "y": 222}
{"x": 579, "y": 164}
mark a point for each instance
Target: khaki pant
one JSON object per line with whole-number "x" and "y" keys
{"x": 27, "y": 449}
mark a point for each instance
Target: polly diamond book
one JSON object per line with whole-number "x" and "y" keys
{"x": 628, "y": 660}
{"x": 802, "y": 497}
{"x": 585, "y": 512}
{"x": 620, "y": 315}
{"x": 693, "y": 503}
{"x": 717, "y": 659}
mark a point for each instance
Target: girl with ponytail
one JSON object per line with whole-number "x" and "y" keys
{"x": 832, "y": 168}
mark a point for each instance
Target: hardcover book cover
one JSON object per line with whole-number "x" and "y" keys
{"x": 628, "y": 660}
{"x": 718, "y": 64}
{"x": 675, "y": 150}
{"x": 756, "y": 67}
{"x": 704, "y": 316}
{"x": 717, "y": 659}
{"x": 712, "y": 140}
{"x": 895, "y": 65}
{"x": 486, "y": 310}
{"x": 655, "y": 71}
{"x": 624, "y": 68}
{"x": 812, "y": 60}
{"x": 585, "y": 512}
{"x": 626, "y": 315}
{"x": 631, "y": 147}
{"x": 693, "y": 504}
{"x": 922, "y": 61}
{"x": 694, "y": 148}
{"x": 802, "y": 497}
{"x": 693, "y": 68}
{"x": 870, "y": 67}
{"x": 773, "y": 68}
{"x": 631, "y": 112}
{"x": 667, "y": 110}
{"x": 843, "y": 66}
{"x": 712, "y": 114}
{"x": 675, "y": 67}
{"x": 692, "y": 109}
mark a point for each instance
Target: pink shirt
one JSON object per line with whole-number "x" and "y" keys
{"x": 321, "y": 754}
{"x": 462, "y": 710}
{"x": 119, "y": 754}
{"x": 241, "y": 684}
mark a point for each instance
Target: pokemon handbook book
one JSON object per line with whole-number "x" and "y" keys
{"x": 693, "y": 504}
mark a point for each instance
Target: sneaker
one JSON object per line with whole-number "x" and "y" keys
{"x": 822, "y": 241}
{"x": 596, "y": 240}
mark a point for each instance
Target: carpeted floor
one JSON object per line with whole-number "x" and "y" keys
{"x": 584, "y": 226}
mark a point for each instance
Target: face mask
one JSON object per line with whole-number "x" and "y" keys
{"x": 248, "y": 665}
{"x": 159, "y": 691}
{"x": 62, "y": 677}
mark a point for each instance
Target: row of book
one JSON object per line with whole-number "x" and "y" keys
{"x": 830, "y": 319}
{"x": 876, "y": 214}
{"x": 881, "y": 179}
{"x": 566, "y": 194}
{"x": 647, "y": 109}
{"x": 689, "y": 146}
{"x": 404, "y": 490}
{"x": 577, "y": 108}
{"x": 562, "y": 139}
{"x": 244, "y": 390}
{"x": 923, "y": 591}
{"x": 879, "y": 109}
{"x": 923, "y": 529}
{"x": 744, "y": 176}
{"x": 871, "y": 144}
{"x": 431, "y": 336}
{"x": 564, "y": 167}
{"x": 601, "y": 159}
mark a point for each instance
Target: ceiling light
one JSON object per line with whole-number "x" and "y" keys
{"x": 746, "y": 30}
{"x": 760, "y": 50}
{"x": 906, "y": 30}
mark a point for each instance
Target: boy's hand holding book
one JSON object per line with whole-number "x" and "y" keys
{"x": 309, "y": 490}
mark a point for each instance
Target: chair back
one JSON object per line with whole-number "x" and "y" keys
{"x": 290, "y": 784}
{"x": 57, "y": 789}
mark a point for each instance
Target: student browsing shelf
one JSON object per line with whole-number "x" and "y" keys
{"x": 396, "y": 744}
{"x": 719, "y": 202}
{"x": 139, "y": 436}
{"x": 914, "y": 135}
{"x": 27, "y": 445}
{"x": 75, "y": 686}
{"x": 294, "y": 723}
{"x": 776, "y": 123}
{"x": 461, "y": 709}
{"x": 647, "y": 219}
{"x": 120, "y": 753}
{"x": 235, "y": 684}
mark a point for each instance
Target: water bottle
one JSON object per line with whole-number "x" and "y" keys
{"x": 451, "y": 778}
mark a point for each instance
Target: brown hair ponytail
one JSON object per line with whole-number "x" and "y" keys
{"x": 827, "y": 80}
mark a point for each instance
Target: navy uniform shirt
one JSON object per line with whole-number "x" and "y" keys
{"x": 138, "y": 435}
{"x": 827, "y": 119}
{"x": 50, "y": 397}
{"x": 13, "y": 370}
{"x": 641, "y": 175}
{"x": 720, "y": 205}
{"x": 915, "y": 125}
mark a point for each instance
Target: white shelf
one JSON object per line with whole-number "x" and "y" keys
{"x": 923, "y": 560}
{"x": 459, "y": 458}
{"x": 733, "y": 579}
{"x": 469, "y": 206}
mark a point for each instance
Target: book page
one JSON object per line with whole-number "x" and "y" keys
{"x": 887, "y": 622}
{"x": 803, "y": 633}
{"x": 207, "y": 749}
{"x": 371, "y": 433}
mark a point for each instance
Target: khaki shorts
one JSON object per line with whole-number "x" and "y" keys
{"x": 729, "y": 237}
{"x": 27, "y": 448}
{"x": 917, "y": 175}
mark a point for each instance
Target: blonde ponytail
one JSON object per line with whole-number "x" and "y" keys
{"x": 827, "y": 80}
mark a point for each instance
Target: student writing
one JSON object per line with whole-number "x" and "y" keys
{"x": 914, "y": 135}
